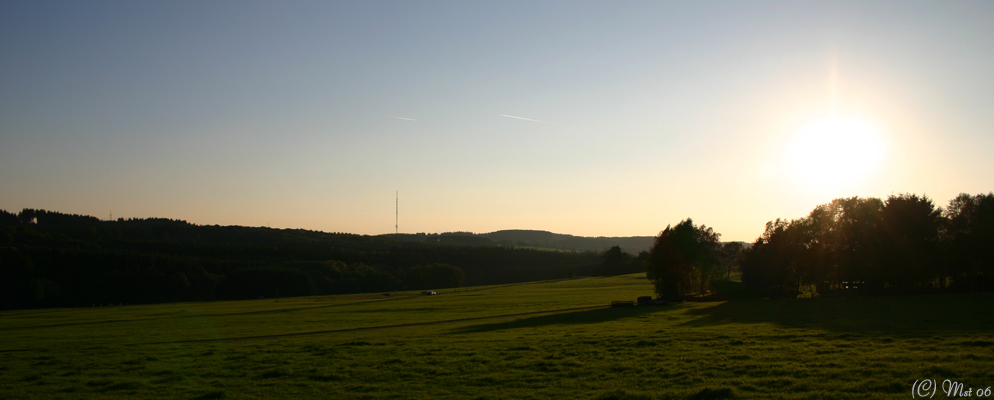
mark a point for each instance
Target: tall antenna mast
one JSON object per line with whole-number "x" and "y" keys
{"x": 396, "y": 217}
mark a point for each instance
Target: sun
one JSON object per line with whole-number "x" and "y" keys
{"x": 835, "y": 151}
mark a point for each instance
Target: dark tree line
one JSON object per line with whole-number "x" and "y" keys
{"x": 903, "y": 244}
{"x": 52, "y": 259}
{"x": 614, "y": 261}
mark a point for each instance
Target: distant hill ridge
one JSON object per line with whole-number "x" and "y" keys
{"x": 535, "y": 239}
{"x": 520, "y": 238}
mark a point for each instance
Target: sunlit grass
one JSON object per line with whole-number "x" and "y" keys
{"x": 821, "y": 348}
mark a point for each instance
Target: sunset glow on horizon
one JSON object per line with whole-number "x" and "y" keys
{"x": 582, "y": 118}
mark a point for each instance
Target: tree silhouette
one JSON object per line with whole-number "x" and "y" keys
{"x": 683, "y": 258}
{"x": 969, "y": 235}
{"x": 615, "y": 261}
{"x": 777, "y": 262}
{"x": 729, "y": 255}
{"x": 910, "y": 242}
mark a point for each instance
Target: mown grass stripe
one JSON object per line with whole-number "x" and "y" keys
{"x": 16, "y": 328}
{"x": 376, "y": 327}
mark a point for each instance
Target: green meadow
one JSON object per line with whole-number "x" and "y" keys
{"x": 544, "y": 340}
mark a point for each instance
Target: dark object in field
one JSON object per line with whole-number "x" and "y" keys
{"x": 386, "y": 294}
{"x": 645, "y": 300}
{"x": 618, "y": 303}
{"x": 429, "y": 293}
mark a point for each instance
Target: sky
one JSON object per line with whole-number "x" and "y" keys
{"x": 586, "y": 118}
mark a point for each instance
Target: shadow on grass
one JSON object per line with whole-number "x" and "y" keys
{"x": 212, "y": 395}
{"x": 919, "y": 315}
{"x": 595, "y": 316}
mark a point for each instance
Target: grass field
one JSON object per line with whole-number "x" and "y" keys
{"x": 546, "y": 340}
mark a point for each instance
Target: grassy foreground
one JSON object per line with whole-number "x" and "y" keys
{"x": 547, "y": 340}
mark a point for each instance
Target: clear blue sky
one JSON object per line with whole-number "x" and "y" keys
{"x": 631, "y": 115}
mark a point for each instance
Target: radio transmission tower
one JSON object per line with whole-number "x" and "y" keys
{"x": 396, "y": 216}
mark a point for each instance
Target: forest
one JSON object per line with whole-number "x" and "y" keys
{"x": 904, "y": 244}
{"x": 52, "y": 259}
{"x": 849, "y": 246}
{"x": 855, "y": 245}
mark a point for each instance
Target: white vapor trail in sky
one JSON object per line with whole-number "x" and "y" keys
{"x": 533, "y": 120}
{"x": 403, "y": 118}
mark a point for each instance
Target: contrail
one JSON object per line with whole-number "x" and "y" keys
{"x": 403, "y": 118}
{"x": 533, "y": 120}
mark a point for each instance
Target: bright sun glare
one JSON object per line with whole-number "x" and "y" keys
{"x": 830, "y": 152}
